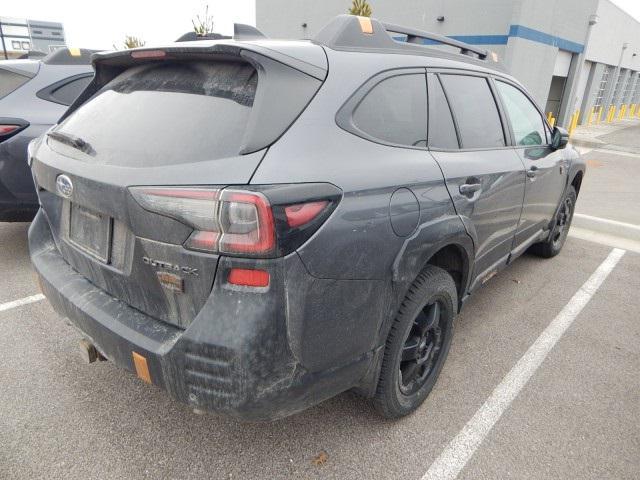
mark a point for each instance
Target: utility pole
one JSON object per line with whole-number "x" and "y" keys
{"x": 4, "y": 47}
{"x": 571, "y": 96}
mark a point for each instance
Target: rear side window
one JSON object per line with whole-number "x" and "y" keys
{"x": 68, "y": 92}
{"x": 395, "y": 111}
{"x": 475, "y": 111}
{"x": 169, "y": 113}
{"x": 442, "y": 131}
{"x": 526, "y": 121}
{"x": 9, "y": 81}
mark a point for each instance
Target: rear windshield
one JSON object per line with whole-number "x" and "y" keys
{"x": 9, "y": 81}
{"x": 169, "y": 113}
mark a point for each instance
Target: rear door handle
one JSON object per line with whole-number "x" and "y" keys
{"x": 532, "y": 172}
{"x": 470, "y": 188}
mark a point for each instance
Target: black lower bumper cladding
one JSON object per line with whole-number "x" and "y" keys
{"x": 234, "y": 358}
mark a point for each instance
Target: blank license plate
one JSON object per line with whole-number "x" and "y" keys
{"x": 91, "y": 232}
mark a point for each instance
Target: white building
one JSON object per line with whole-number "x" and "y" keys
{"x": 565, "y": 52}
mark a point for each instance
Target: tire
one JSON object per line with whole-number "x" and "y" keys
{"x": 558, "y": 235}
{"x": 402, "y": 387}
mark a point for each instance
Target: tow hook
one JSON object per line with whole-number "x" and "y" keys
{"x": 89, "y": 352}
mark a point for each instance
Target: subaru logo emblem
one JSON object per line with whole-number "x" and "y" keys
{"x": 64, "y": 186}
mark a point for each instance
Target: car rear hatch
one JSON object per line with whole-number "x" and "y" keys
{"x": 184, "y": 116}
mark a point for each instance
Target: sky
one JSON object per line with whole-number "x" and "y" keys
{"x": 100, "y": 25}
{"x": 105, "y": 24}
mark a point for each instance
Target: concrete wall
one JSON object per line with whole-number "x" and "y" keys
{"x": 284, "y": 18}
{"x": 614, "y": 28}
{"x": 526, "y": 34}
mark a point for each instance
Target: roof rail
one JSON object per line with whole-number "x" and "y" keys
{"x": 418, "y": 36}
{"x": 351, "y": 32}
{"x": 240, "y": 32}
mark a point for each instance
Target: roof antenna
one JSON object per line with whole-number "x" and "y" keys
{"x": 242, "y": 31}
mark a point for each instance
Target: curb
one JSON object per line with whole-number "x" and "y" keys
{"x": 604, "y": 225}
{"x": 580, "y": 142}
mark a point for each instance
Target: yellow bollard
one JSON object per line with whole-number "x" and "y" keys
{"x": 623, "y": 109}
{"x": 552, "y": 121}
{"x": 590, "y": 119}
{"x": 549, "y": 116}
{"x": 599, "y": 117}
{"x": 632, "y": 110}
{"x": 572, "y": 123}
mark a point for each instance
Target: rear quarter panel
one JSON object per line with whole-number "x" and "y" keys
{"x": 357, "y": 244}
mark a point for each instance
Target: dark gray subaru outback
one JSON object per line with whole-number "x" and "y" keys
{"x": 256, "y": 225}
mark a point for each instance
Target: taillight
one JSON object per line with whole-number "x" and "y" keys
{"x": 247, "y": 223}
{"x": 11, "y": 126}
{"x": 4, "y": 129}
{"x": 238, "y": 222}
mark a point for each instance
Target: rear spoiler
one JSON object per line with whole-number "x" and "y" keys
{"x": 108, "y": 65}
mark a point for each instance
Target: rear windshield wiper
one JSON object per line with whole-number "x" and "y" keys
{"x": 72, "y": 141}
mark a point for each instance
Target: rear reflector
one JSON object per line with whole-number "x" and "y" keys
{"x": 248, "y": 278}
{"x": 142, "y": 369}
{"x": 303, "y": 213}
{"x": 148, "y": 54}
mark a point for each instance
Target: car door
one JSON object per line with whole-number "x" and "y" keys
{"x": 546, "y": 169}
{"x": 484, "y": 176}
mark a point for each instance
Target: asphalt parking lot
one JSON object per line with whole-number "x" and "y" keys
{"x": 578, "y": 416}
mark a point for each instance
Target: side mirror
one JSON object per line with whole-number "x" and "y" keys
{"x": 559, "y": 138}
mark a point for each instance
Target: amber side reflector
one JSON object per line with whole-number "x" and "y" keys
{"x": 365, "y": 25}
{"x": 142, "y": 369}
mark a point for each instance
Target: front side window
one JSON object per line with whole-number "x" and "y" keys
{"x": 475, "y": 111}
{"x": 395, "y": 111}
{"x": 526, "y": 121}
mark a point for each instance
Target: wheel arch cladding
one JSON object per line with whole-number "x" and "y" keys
{"x": 444, "y": 243}
{"x": 451, "y": 253}
{"x": 454, "y": 260}
{"x": 576, "y": 182}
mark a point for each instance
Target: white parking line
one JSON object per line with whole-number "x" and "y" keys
{"x": 456, "y": 455}
{"x": 20, "y": 302}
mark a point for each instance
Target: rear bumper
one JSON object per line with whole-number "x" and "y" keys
{"x": 235, "y": 358}
{"x": 18, "y": 199}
